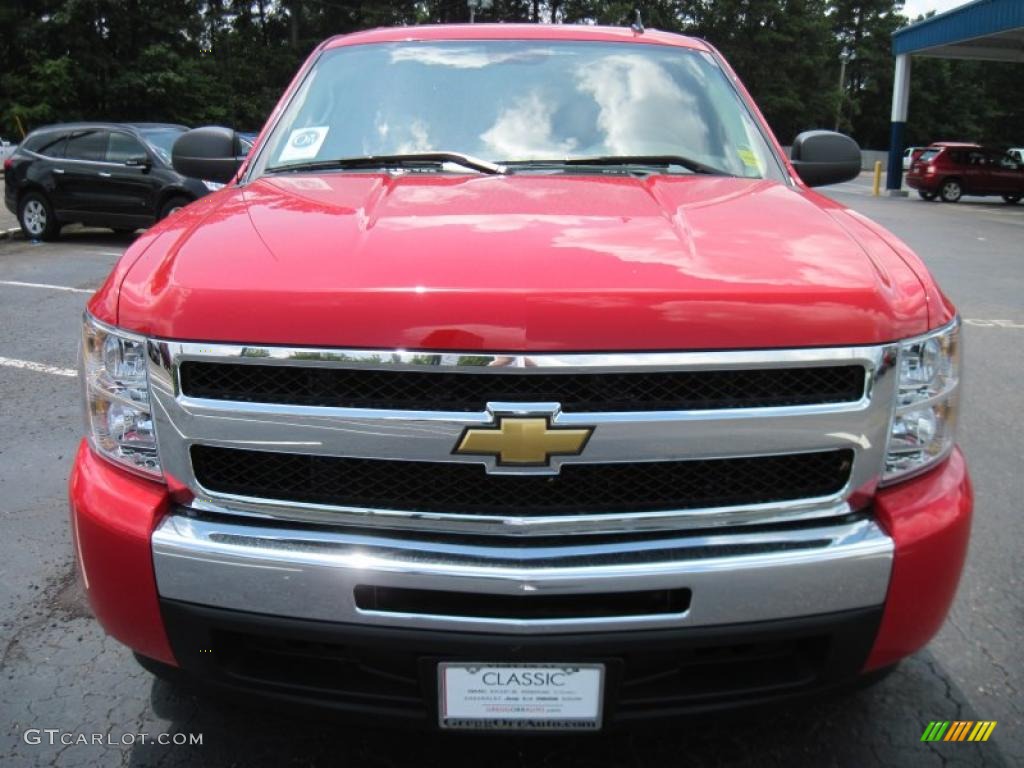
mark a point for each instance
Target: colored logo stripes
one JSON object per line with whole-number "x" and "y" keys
{"x": 958, "y": 730}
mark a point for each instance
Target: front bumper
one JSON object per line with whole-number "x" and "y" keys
{"x": 166, "y": 584}
{"x": 318, "y": 575}
{"x": 392, "y": 672}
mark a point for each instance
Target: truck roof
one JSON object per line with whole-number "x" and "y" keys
{"x": 515, "y": 32}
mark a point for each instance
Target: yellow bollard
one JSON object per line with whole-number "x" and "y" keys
{"x": 876, "y": 187}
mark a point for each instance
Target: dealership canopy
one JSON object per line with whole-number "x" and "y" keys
{"x": 986, "y": 30}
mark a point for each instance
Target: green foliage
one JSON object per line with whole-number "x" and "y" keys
{"x": 47, "y": 89}
{"x": 864, "y": 28}
{"x": 227, "y": 61}
{"x": 953, "y": 100}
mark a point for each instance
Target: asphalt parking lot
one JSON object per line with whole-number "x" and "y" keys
{"x": 58, "y": 670}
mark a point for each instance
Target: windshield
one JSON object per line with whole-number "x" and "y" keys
{"x": 514, "y": 101}
{"x": 162, "y": 140}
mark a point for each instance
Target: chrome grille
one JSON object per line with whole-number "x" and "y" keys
{"x": 696, "y": 455}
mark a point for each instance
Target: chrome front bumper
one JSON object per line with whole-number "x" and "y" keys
{"x": 247, "y": 566}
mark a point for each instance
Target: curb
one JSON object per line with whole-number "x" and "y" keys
{"x": 10, "y": 234}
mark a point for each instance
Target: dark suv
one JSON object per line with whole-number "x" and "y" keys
{"x": 950, "y": 170}
{"x": 115, "y": 175}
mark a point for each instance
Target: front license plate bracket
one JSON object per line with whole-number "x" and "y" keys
{"x": 545, "y": 696}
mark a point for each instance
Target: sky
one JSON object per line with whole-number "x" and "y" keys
{"x": 914, "y": 8}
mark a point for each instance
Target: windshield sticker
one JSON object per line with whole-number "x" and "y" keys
{"x": 749, "y": 158}
{"x": 304, "y": 143}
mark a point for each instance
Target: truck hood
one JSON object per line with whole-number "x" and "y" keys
{"x": 518, "y": 263}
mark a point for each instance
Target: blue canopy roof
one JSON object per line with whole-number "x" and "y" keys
{"x": 991, "y": 30}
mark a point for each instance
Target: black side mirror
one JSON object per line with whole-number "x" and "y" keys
{"x": 825, "y": 157}
{"x": 142, "y": 161}
{"x": 212, "y": 153}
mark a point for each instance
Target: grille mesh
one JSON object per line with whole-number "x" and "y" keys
{"x": 468, "y": 489}
{"x": 440, "y": 390}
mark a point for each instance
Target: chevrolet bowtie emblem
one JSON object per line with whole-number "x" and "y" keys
{"x": 523, "y": 441}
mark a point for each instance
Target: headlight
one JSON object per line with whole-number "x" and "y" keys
{"x": 118, "y": 421}
{"x": 922, "y": 432}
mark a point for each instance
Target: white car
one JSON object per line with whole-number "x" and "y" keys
{"x": 908, "y": 156}
{"x": 1016, "y": 154}
{"x": 6, "y": 149}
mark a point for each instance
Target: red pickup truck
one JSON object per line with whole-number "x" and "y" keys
{"x": 518, "y": 380}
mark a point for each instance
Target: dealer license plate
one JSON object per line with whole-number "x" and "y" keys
{"x": 542, "y": 697}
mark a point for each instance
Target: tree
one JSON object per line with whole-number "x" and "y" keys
{"x": 864, "y": 28}
{"x": 227, "y": 61}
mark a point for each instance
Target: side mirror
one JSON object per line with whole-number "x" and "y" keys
{"x": 211, "y": 153}
{"x": 142, "y": 161}
{"x": 825, "y": 157}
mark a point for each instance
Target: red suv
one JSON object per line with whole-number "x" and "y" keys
{"x": 949, "y": 170}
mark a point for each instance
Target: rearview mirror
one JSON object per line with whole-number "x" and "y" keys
{"x": 142, "y": 161}
{"x": 212, "y": 153}
{"x": 825, "y": 157}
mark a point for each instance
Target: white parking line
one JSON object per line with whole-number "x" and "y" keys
{"x": 18, "y": 284}
{"x": 28, "y": 365}
{"x": 979, "y": 323}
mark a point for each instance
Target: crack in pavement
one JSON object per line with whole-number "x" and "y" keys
{"x": 57, "y": 598}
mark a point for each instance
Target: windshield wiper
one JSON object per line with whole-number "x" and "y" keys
{"x": 650, "y": 161}
{"x": 394, "y": 161}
